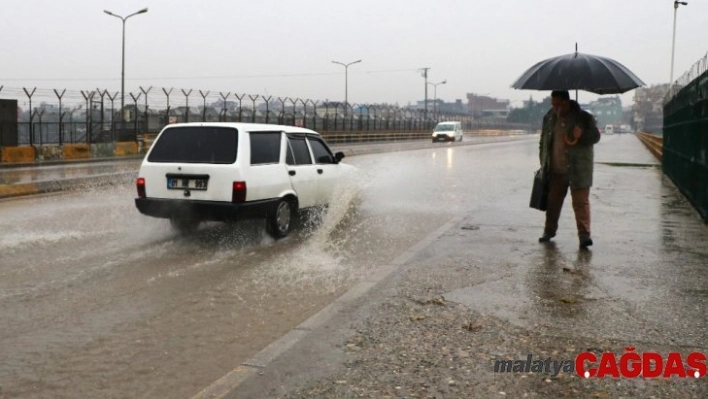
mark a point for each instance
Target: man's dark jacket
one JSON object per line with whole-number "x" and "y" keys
{"x": 579, "y": 154}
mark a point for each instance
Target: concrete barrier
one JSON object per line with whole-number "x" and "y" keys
{"x": 49, "y": 152}
{"x": 103, "y": 150}
{"x": 76, "y": 151}
{"x": 16, "y": 190}
{"x": 20, "y": 154}
{"x": 654, "y": 143}
{"x": 126, "y": 148}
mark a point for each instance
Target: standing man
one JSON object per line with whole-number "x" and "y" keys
{"x": 566, "y": 155}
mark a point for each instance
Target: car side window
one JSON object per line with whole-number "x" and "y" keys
{"x": 265, "y": 147}
{"x": 300, "y": 152}
{"x": 321, "y": 152}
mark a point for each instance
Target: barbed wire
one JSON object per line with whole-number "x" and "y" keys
{"x": 160, "y": 98}
{"x": 693, "y": 73}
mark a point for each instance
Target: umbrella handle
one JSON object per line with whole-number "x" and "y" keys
{"x": 575, "y": 138}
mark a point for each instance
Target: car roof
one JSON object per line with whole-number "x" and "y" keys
{"x": 247, "y": 127}
{"x": 447, "y": 123}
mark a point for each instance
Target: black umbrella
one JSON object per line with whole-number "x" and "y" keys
{"x": 577, "y": 71}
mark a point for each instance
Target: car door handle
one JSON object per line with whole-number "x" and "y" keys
{"x": 319, "y": 171}
{"x": 292, "y": 173}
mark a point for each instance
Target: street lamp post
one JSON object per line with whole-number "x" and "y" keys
{"x": 122, "y": 71}
{"x": 673, "y": 41}
{"x": 435, "y": 97}
{"x": 346, "y": 83}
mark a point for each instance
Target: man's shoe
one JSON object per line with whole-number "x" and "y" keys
{"x": 546, "y": 237}
{"x": 585, "y": 242}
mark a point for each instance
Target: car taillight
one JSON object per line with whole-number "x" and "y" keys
{"x": 238, "y": 191}
{"x": 140, "y": 183}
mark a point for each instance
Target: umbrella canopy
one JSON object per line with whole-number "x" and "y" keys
{"x": 578, "y": 71}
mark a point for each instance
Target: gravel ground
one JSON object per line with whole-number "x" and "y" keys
{"x": 415, "y": 344}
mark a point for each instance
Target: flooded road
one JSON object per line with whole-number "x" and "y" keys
{"x": 99, "y": 301}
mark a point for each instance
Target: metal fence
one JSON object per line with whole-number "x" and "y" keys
{"x": 685, "y": 145}
{"x": 43, "y": 133}
{"x": 90, "y": 116}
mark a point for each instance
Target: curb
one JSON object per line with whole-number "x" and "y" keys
{"x": 39, "y": 164}
{"x": 43, "y": 187}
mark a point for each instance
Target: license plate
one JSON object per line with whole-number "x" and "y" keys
{"x": 187, "y": 182}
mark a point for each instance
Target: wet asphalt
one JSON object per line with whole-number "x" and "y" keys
{"x": 57, "y": 175}
{"x": 643, "y": 284}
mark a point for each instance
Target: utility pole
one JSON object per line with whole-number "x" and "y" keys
{"x": 435, "y": 98}
{"x": 425, "y": 75}
{"x": 122, "y": 69}
{"x": 346, "y": 83}
{"x": 673, "y": 42}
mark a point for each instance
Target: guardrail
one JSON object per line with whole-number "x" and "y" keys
{"x": 653, "y": 142}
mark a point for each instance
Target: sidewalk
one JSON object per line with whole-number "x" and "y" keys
{"x": 481, "y": 289}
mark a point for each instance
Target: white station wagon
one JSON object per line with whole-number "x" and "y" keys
{"x": 198, "y": 172}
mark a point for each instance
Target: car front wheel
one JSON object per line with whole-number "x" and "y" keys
{"x": 279, "y": 221}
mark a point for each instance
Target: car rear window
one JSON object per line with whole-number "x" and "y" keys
{"x": 196, "y": 144}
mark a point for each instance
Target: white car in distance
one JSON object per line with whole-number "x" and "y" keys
{"x": 447, "y": 131}
{"x": 198, "y": 172}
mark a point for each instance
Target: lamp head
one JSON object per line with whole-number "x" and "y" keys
{"x": 144, "y": 10}
{"x": 108, "y": 12}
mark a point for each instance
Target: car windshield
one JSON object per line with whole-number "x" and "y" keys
{"x": 444, "y": 128}
{"x": 196, "y": 144}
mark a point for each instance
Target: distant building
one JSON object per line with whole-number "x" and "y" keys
{"x": 607, "y": 110}
{"x": 442, "y": 107}
{"x": 457, "y": 107}
{"x": 649, "y": 108}
{"x": 627, "y": 115}
{"x": 484, "y": 106}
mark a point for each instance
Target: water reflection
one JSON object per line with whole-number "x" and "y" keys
{"x": 558, "y": 285}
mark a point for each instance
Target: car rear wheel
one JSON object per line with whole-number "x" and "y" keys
{"x": 279, "y": 221}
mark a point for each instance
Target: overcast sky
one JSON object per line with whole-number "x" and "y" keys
{"x": 285, "y": 47}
